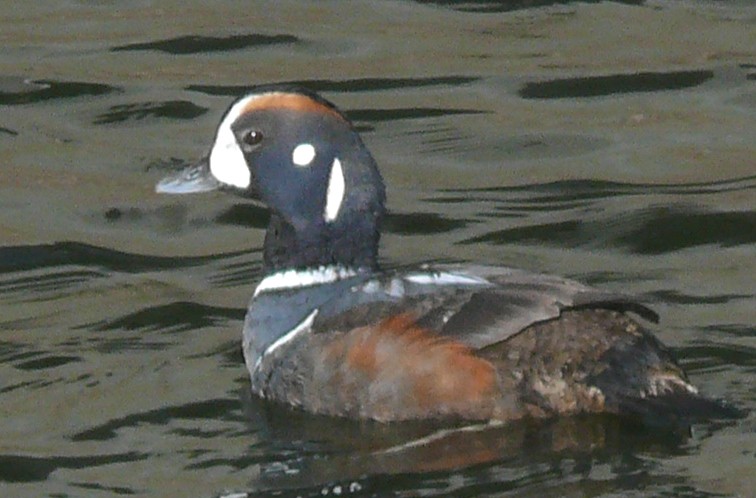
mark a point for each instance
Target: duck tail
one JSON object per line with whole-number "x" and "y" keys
{"x": 676, "y": 408}
{"x": 667, "y": 399}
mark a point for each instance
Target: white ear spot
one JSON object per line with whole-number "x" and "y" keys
{"x": 335, "y": 193}
{"x": 227, "y": 162}
{"x": 303, "y": 154}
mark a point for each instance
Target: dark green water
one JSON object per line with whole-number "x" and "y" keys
{"x": 608, "y": 142}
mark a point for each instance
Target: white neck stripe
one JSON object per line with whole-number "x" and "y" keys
{"x": 295, "y": 279}
{"x": 335, "y": 192}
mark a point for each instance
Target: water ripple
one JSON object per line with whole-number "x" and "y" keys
{"x": 21, "y": 258}
{"x": 41, "y": 90}
{"x": 21, "y": 468}
{"x": 173, "y": 109}
{"x": 194, "y": 44}
{"x": 571, "y": 190}
{"x": 600, "y": 86}
{"x": 45, "y": 286}
{"x": 647, "y": 231}
{"x": 213, "y": 409}
{"x": 169, "y": 318}
{"x": 348, "y": 85}
{"x": 497, "y": 6}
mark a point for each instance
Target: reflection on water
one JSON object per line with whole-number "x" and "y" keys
{"x": 390, "y": 457}
{"x": 120, "y": 365}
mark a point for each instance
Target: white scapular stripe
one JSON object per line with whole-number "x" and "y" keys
{"x": 335, "y": 193}
{"x": 445, "y": 278}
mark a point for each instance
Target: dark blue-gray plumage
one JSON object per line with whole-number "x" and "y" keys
{"x": 328, "y": 331}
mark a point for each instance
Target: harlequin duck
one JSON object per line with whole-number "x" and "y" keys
{"x": 329, "y": 332}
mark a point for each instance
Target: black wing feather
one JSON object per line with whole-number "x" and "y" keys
{"x": 478, "y": 316}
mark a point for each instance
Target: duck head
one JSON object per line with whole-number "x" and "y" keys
{"x": 297, "y": 154}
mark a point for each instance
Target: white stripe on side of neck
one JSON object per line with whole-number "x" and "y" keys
{"x": 295, "y": 279}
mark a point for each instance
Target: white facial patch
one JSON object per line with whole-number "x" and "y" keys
{"x": 227, "y": 162}
{"x": 302, "y": 155}
{"x": 335, "y": 193}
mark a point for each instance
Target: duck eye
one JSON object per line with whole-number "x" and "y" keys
{"x": 252, "y": 138}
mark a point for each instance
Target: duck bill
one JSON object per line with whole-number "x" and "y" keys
{"x": 194, "y": 179}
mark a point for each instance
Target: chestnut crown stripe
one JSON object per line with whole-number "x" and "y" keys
{"x": 288, "y": 101}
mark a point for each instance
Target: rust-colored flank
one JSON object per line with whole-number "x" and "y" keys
{"x": 288, "y": 101}
{"x": 435, "y": 375}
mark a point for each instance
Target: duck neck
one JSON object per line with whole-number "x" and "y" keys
{"x": 350, "y": 244}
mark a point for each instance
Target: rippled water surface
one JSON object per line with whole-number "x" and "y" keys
{"x": 609, "y": 142}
